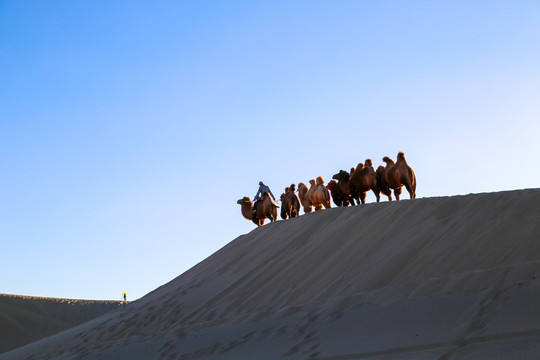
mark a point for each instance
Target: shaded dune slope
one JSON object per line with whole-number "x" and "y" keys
{"x": 24, "y": 319}
{"x": 447, "y": 260}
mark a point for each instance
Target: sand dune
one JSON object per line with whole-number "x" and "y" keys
{"x": 24, "y": 319}
{"x": 434, "y": 278}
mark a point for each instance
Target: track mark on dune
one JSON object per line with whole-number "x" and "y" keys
{"x": 307, "y": 337}
{"x": 487, "y": 308}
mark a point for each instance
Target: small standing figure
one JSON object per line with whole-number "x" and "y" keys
{"x": 125, "y": 296}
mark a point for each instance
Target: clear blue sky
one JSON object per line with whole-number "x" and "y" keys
{"x": 129, "y": 129}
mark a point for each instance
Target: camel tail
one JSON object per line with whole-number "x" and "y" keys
{"x": 320, "y": 180}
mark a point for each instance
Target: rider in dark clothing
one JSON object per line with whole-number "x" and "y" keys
{"x": 260, "y": 194}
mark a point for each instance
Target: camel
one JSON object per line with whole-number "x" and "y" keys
{"x": 343, "y": 187}
{"x": 362, "y": 180}
{"x": 290, "y": 205}
{"x": 336, "y": 194}
{"x": 318, "y": 194}
{"x": 400, "y": 174}
{"x": 383, "y": 185}
{"x": 304, "y": 199}
{"x": 266, "y": 209}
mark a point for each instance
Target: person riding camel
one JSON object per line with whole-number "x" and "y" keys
{"x": 263, "y": 189}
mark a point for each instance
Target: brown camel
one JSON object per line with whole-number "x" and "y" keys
{"x": 290, "y": 205}
{"x": 383, "y": 185}
{"x": 336, "y": 194}
{"x": 343, "y": 187}
{"x": 266, "y": 209}
{"x": 303, "y": 197}
{"x": 362, "y": 180}
{"x": 318, "y": 194}
{"x": 400, "y": 174}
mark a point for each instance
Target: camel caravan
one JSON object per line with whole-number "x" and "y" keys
{"x": 346, "y": 188}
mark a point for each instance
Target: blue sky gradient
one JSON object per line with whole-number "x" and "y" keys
{"x": 129, "y": 129}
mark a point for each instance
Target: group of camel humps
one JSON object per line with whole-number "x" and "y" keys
{"x": 345, "y": 188}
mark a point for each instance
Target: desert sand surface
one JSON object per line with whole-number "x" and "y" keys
{"x": 431, "y": 278}
{"x": 25, "y": 319}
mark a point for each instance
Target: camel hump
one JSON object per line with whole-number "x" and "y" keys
{"x": 320, "y": 180}
{"x": 368, "y": 163}
{"x": 401, "y": 156}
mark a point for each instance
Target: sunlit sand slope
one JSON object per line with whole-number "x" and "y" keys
{"x": 434, "y": 278}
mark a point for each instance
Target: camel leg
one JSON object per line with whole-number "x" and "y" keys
{"x": 397, "y": 192}
{"x": 363, "y": 197}
{"x": 412, "y": 194}
{"x": 377, "y": 194}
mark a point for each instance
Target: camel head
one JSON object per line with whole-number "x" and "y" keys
{"x": 342, "y": 175}
{"x": 332, "y": 184}
{"x": 388, "y": 161}
{"x": 244, "y": 200}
